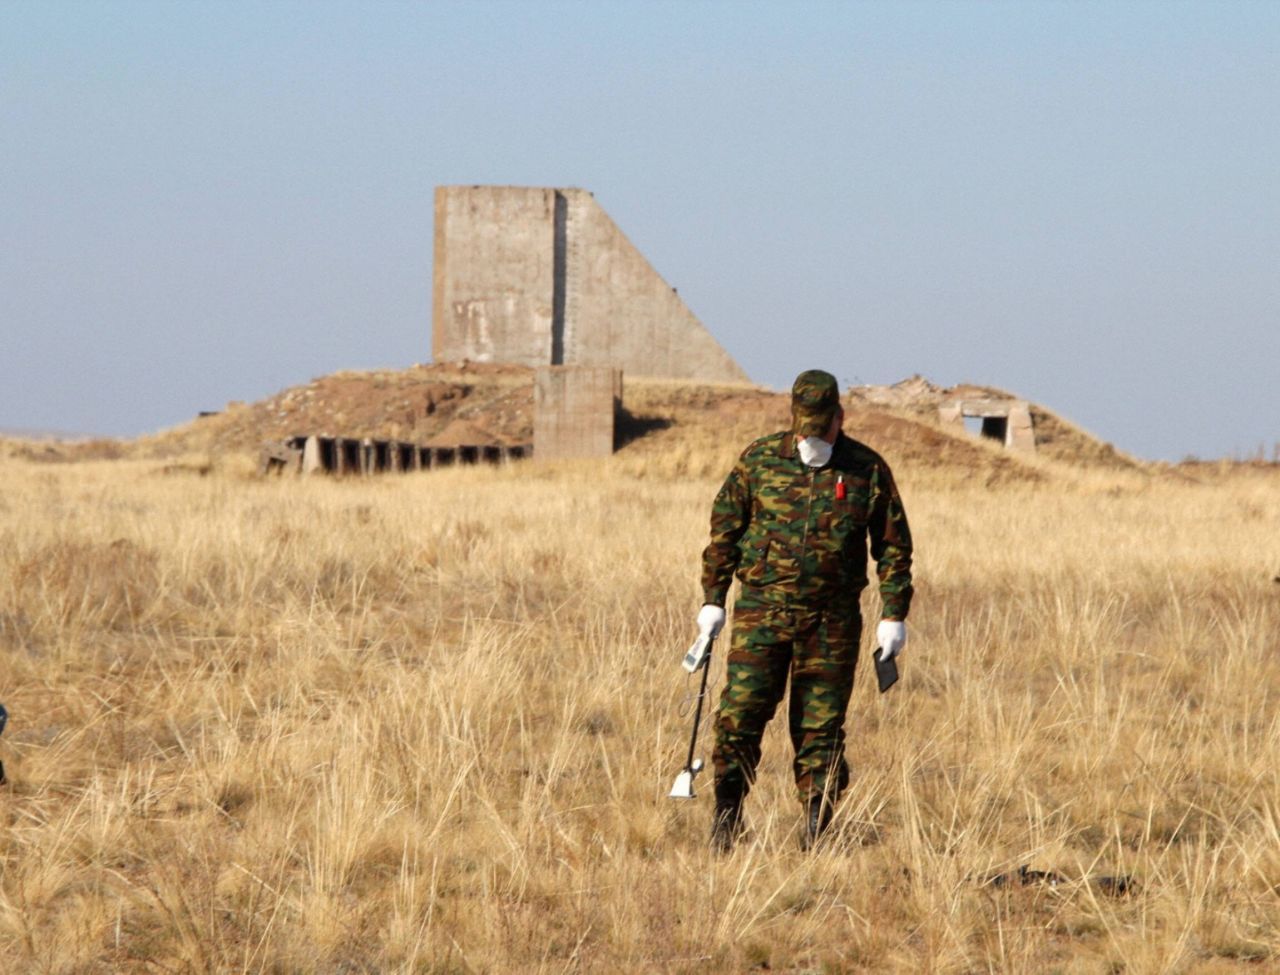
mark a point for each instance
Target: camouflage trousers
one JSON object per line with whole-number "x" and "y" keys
{"x": 818, "y": 649}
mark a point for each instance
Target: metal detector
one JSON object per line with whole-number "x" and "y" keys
{"x": 699, "y": 656}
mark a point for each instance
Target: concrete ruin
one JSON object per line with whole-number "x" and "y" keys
{"x": 574, "y": 411}
{"x": 365, "y": 456}
{"x": 1008, "y": 422}
{"x": 543, "y": 277}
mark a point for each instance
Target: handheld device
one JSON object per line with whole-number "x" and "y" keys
{"x": 698, "y": 653}
{"x": 886, "y": 671}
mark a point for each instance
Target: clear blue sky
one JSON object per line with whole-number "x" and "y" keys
{"x": 1077, "y": 202}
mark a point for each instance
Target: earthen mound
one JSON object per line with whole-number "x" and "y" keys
{"x": 473, "y": 403}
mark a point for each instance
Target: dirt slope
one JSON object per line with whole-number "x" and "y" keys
{"x": 436, "y": 404}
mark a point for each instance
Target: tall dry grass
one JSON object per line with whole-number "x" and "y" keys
{"x": 428, "y": 723}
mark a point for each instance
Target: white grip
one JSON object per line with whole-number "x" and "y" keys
{"x": 698, "y": 653}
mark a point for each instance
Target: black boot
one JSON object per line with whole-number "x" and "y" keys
{"x": 817, "y": 819}
{"x": 726, "y": 826}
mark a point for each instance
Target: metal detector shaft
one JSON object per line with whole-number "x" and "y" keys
{"x": 699, "y": 655}
{"x": 697, "y": 712}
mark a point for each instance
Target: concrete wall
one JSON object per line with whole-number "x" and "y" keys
{"x": 545, "y": 277}
{"x": 574, "y": 409}
{"x": 492, "y": 291}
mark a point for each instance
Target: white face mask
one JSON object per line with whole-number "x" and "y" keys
{"x": 814, "y": 451}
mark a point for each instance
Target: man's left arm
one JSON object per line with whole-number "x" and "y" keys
{"x": 890, "y": 538}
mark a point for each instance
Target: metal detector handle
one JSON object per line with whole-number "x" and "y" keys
{"x": 699, "y": 653}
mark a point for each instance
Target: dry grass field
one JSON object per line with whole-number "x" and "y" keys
{"x": 427, "y": 723}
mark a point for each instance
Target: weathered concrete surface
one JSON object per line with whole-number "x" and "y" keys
{"x": 1021, "y": 433}
{"x": 278, "y": 456}
{"x": 492, "y": 291}
{"x": 574, "y": 410}
{"x": 1014, "y": 416}
{"x": 538, "y": 276}
{"x": 311, "y": 459}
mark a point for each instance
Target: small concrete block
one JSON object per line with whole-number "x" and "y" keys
{"x": 574, "y": 411}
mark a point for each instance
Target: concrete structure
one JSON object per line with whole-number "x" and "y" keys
{"x": 282, "y": 455}
{"x": 574, "y": 409}
{"x": 347, "y": 455}
{"x": 540, "y": 277}
{"x": 1006, "y": 421}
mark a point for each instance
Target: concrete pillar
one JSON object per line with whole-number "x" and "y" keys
{"x": 311, "y": 460}
{"x": 1020, "y": 435}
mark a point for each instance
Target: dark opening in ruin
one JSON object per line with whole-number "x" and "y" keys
{"x": 350, "y": 460}
{"x": 328, "y": 458}
{"x": 559, "y": 258}
{"x": 492, "y": 454}
{"x": 990, "y": 427}
{"x": 468, "y": 455}
{"x": 444, "y": 456}
{"x": 381, "y": 459}
{"x": 995, "y": 427}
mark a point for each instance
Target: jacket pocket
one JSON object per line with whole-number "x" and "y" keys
{"x": 855, "y": 506}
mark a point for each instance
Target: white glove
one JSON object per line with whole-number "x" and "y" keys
{"x": 710, "y": 619}
{"x": 892, "y": 637}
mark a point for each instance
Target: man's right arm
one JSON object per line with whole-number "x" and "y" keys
{"x": 730, "y": 515}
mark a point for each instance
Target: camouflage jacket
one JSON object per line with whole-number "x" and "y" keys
{"x": 798, "y": 535}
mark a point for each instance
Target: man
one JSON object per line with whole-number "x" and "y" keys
{"x": 793, "y": 520}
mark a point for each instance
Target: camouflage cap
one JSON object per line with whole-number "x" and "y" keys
{"x": 815, "y": 398}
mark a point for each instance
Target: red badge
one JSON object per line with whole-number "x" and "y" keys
{"x": 840, "y": 487}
